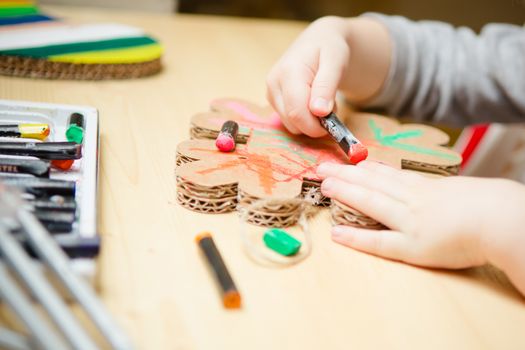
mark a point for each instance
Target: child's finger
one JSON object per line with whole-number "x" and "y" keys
{"x": 325, "y": 83}
{"x": 400, "y": 175}
{"x": 274, "y": 96}
{"x": 373, "y": 180}
{"x": 375, "y": 204}
{"x": 387, "y": 244}
{"x": 296, "y": 94}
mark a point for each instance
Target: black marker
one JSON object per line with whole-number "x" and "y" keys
{"x": 34, "y": 167}
{"x": 231, "y": 298}
{"x": 42, "y": 150}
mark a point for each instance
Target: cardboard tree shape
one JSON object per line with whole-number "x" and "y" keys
{"x": 272, "y": 165}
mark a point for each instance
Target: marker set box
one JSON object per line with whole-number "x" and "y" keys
{"x": 63, "y": 197}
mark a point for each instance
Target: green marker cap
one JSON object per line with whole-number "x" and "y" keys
{"x": 75, "y": 134}
{"x": 281, "y": 242}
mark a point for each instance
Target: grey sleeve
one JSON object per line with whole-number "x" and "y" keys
{"x": 452, "y": 75}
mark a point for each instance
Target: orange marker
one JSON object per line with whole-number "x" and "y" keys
{"x": 231, "y": 298}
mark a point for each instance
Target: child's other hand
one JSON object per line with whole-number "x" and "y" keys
{"x": 451, "y": 222}
{"x": 350, "y": 54}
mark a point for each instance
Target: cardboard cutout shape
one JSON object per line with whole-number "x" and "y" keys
{"x": 272, "y": 165}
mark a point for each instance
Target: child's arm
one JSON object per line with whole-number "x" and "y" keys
{"x": 427, "y": 70}
{"x": 452, "y": 75}
{"x": 452, "y": 222}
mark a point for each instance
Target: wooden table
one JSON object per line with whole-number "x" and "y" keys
{"x": 151, "y": 275}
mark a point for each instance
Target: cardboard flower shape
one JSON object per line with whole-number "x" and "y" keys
{"x": 272, "y": 165}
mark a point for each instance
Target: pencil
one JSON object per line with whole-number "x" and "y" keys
{"x": 14, "y": 341}
{"x": 33, "y": 279}
{"x": 48, "y": 250}
{"x": 17, "y": 300}
{"x": 231, "y": 297}
{"x": 54, "y": 257}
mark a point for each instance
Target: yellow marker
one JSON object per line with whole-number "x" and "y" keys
{"x": 26, "y": 131}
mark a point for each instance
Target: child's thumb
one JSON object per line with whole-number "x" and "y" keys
{"x": 324, "y": 88}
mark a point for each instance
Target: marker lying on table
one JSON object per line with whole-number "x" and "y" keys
{"x": 225, "y": 142}
{"x": 231, "y": 298}
{"x": 354, "y": 149}
{"x": 26, "y": 131}
{"x": 42, "y": 150}
{"x": 34, "y": 167}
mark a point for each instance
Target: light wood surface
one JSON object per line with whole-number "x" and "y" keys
{"x": 151, "y": 275}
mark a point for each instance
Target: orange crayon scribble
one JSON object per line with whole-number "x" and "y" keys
{"x": 224, "y": 165}
{"x": 262, "y": 166}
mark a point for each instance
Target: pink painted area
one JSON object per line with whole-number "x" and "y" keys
{"x": 248, "y": 115}
{"x": 271, "y": 154}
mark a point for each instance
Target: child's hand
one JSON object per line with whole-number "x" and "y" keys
{"x": 451, "y": 222}
{"x": 350, "y": 54}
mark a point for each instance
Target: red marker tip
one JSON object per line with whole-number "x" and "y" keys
{"x": 225, "y": 143}
{"x": 357, "y": 153}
